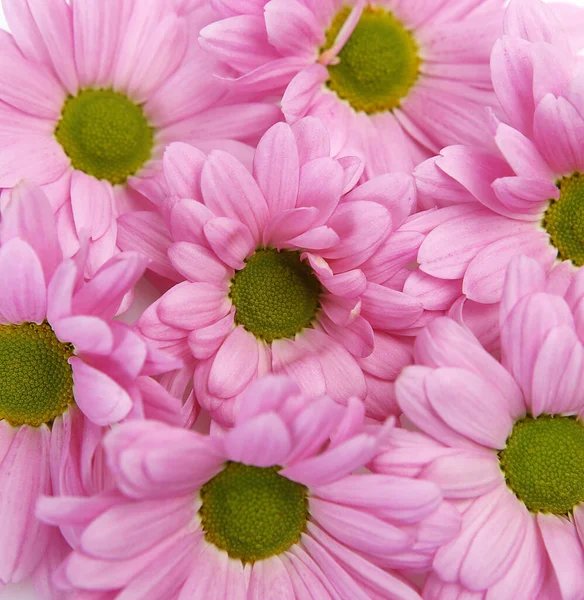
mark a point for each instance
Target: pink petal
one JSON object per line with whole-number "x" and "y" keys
{"x": 289, "y": 224}
{"x": 292, "y": 28}
{"x": 235, "y": 364}
{"x": 198, "y": 263}
{"x": 277, "y": 169}
{"x": 205, "y": 342}
{"x": 262, "y": 441}
{"x": 321, "y": 185}
{"x": 87, "y": 334}
{"x": 534, "y": 22}
{"x": 312, "y": 139}
{"x": 183, "y": 165}
{"x": 23, "y": 296}
{"x": 98, "y": 396}
{"x": 92, "y": 203}
{"x": 268, "y": 577}
{"x": 390, "y": 310}
{"x": 289, "y": 358}
{"x": 230, "y": 240}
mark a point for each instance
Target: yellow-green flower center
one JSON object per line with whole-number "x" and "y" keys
{"x": 105, "y": 134}
{"x": 378, "y": 65}
{"x": 276, "y": 295}
{"x": 36, "y": 380}
{"x": 543, "y": 463}
{"x": 253, "y": 513}
{"x": 564, "y": 219}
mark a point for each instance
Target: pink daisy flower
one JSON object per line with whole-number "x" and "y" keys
{"x": 91, "y": 93}
{"x": 66, "y": 370}
{"x": 270, "y": 509}
{"x": 394, "y": 81}
{"x": 524, "y": 197}
{"x": 505, "y": 441}
{"x": 288, "y": 269}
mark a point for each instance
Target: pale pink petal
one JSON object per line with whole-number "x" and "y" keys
{"x": 289, "y": 358}
{"x": 92, "y": 203}
{"x": 312, "y": 139}
{"x": 534, "y": 22}
{"x": 231, "y": 240}
{"x": 198, "y": 263}
{"x": 86, "y": 333}
{"x": 321, "y": 186}
{"x": 234, "y": 364}
{"x": 23, "y": 296}
{"x": 524, "y": 276}
{"x": 269, "y": 577}
{"x": 289, "y": 224}
{"x": 205, "y": 342}
{"x": 277, "y": 168}
{"x": 388, "y": 309}
{"x": 98, "y": 396}
{"x": 183, "y": 165}
{"x": 433, "y": 293}
{"x": 301, "y": 91}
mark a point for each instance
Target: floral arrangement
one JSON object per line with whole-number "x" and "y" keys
{"x": 291, "y": 299}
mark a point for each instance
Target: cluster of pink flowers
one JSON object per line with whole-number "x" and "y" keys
{"x": 291, "y": 300}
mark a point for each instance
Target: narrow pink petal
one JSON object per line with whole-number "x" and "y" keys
{"x": 263, "y": 441}
{"x": 269, "y": 577}
{"x": 524, "y": 276}
{"x": 235, "y": 364}
{"x": 92, "y": 203}
{"x": 183, "y": 165}
{"x": 198, "y": 263}
{"x": 277, "y": 169}
{"x": 193, "y": 305}
{"x": 534, "y": 22}
{"x": 99, "y": 397}
{"x": 231, "y": 240}
{"x": 301, "y": 92}
{"x": 23, "y": 296}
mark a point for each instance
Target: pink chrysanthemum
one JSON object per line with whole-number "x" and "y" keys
{"x": 288, "y": 270}
{"x": 66, "y": 369}
{"x": 270, "y": 509}
{"x": 91, "y": 92}
{"x": 394, "y": 80}
{"x": 506, "y": 442}
{"x": 524, "y": 197}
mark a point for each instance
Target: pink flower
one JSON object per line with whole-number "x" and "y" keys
{"x": 505, "y": 441}
{"x": 271, "y": 508}
{"x": 90, "y": 95}
{"x": 287, "y": 270}
{"x": 521, "y": 198}
{"x": 394, "y": 81}
{"x": 66, "y": 370}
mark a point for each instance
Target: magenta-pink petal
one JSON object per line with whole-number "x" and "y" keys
{"x": 465, "y": 473}
{"x": 565, "y": 553}
{"x": 524, "y": 331}
{"x": 234, "y": 365}
{"x": 240, "y": 40}
{"x": 205, "y": 342}
{"x": 350, "y": 284}
{"x": 183, "y": 165}
{"x": 522, "y": 154}
{"x": 198, "y": 263}
{"x": 292, "y": 28}
{"x": 86, "y": 333}
{"x": 262, "y": 441}
{"x": 276, "y": 168}
{"x": 128, "y": 529}
{"x": 103, "y": 295}
{"x": 23, "y": 296}
{"x": 24, "y": 472}
{"x": 159, "y": 404}
{"x": 557, "y": 129}
{"x": 230, "y": 191}
{"x": 321, "y": 185}
{"x": 100, "y": 398}
{"x": 334, "y": 464}
{"x": 470, "y": 405}
{"x": 485, "y": 275}
{"x": 29, "y": 216}
{"x": 269, "y": 577}
{"x": 231, "y": 240}
{"x": 358, "y": 529}
{"x": 193, "y": 305}
{"x": 350, "y": 220}
{"x": 447, "y": 250}
{"x": 145, "y": 232}
{"x": 388, "y": 309}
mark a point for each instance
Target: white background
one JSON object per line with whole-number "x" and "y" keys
{"x": 24, "y": 591}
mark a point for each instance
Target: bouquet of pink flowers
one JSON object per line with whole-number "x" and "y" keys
{"x": 291, "y": 300}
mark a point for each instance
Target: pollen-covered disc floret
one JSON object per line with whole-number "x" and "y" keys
{"x": 36, "y": 381}
{"x": 276, "y": 295}
{"x": 252, "y": 512}
{"x": 543, "y": 463}
{"x": 564, "y": 219}
{"x": 379, "y": 63}
{"x": 105, "y": 134}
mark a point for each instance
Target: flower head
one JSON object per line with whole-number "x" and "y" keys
{"x": 505, "y": 441}
{"x": 66, "y": 370}
{"x": 91, "y": 93}
{"x": 393, "y": 81}
{"x": 272, "y": 506}
{"x": 288, "y": 269}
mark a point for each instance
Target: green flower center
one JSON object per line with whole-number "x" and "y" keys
{"x": 36, "y": 381}
{"x": 105, "y": 134}
{"x": 253, "y": 513}
{"x": 276, "y": 295}
{"x": 378, "y": 65}
{"x": 564, "y": 219}
{"x": 543, "y": 463}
